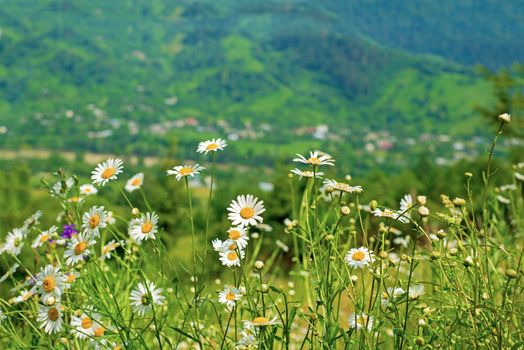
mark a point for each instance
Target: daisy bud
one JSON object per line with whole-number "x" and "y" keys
{"x": 259, "y": 265}
{"x": 423, "y": 211}
{"x": 468, "y": 261}
{"x": 169, "y": 290}
{"x": 64, "y": 341}
{"x": 352, "y": 221}
{"x": 218, "y": 281}
{"x": 421, "y": 200}
{"x": 422, "y": 322}
{"x": 485, "y": 296}
{"x": 135, "y": 211}
{"x": 511, "y": 273}
{"x": 435, "y": 255}
{"x": 505, "y": 118}
{"x": 441, "y": 234}
{"x": 291, "y": 292}
{"x": 468, "y": 174}
{"x": 345, "y": 210}
{"x": 264, "y": 288}
{"x": 453, "y": 251}
{"x": 459, "y": 202}
{"x": 243, "y": 290}
{"x": 373, "y": 205}
{"x": 354, "y": 278}
{"x": 295, "y": 223}
{"x": 330, "y": 237}
{"x": 420, "y": 341}
{"x": 51, "y": 301}
{"x": 383, "y": 254}
{"x": 329, "y": 189}
{"x": 405, "y": 257}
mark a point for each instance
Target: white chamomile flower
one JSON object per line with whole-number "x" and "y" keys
{"x": 239, "y": 235}
{"x": 78, "y": 248}
{"x": 185, "y": 170}
{"x": 144, "y": 296}
{"x": 107, "y": 171}
{"x": 406, "y": 203}
{"x": 62, "y": 187}
{"x": 50, "y": 318}
{"x": 44, "y": 237}
{"x": 389, "y": 213}
{"x": 229, "y": 296}
{"x": 307, "y": 173}
{"x": 135, "y": 182}
{"x": 211, "y": 146}
{"x": 316, "y": 158}
{"x": 390, "y": 294}
{"x": 342, "y": 186}
{"x": 70, "y": 278}
{"x": 361, "y": 321}
{"x": 14, "y": 241}
{"x": 49, "y": 282}
{"x": 231, "y": 258}
{"x": 110, "y": 218}
{"x": 224, "y": 246}
{"x": 246, "y": 211}
{"x": 416, "y": 291}
{"x": 109, "y": 248}
{"x": 145, "y": 227}
{"x": 85, "y": 324}
{"x": 88, "y": 190}
{"x": 262, "y": 321}
{"x": 24, "y": 295}
{"x": 359, "y": 257}
{"x": 94, "y": 220}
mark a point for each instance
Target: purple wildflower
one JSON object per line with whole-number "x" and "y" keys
{"x": 69, "y": 231}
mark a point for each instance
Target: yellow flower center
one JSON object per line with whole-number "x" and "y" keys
{"x": 71, "y": 278}
{"x": 313, "y": 160}
{"x": 136, "y": 182}
{"x": 53, "y": 314}
{"x": 117, "y": 347}
{"x": 232, "y": 256}
{"x": 247, "y": 213}
{"x": 232, "y": 246}
{"x": 147, "y": 227}
{"x": 106, "y": 174}
{"x": 80, "y": 248}
{"x": 230, "y": 296}
{"x": 74, "y": 199}
{"x": 44, "y": 238}
{"x": 234, "y": 234}
{"x": 99, "y": 332}
{"x": 212, "y": 147}
{"x": 48, "y": 284}
{"x": 87, "y": 322}
{"x": 187, "y": 170}
{"x": 260, "y": 321}
{"x": 358, "y": 255}
{"x": 94, "y": 221}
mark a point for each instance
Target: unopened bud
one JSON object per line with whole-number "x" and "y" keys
{"x": 373, "y": 205}
{"x": 421, "y": 200}
{"x": 259, "y": 265}
{"x": 459, "y": 202}
{"x": 511, "y": 273}
{"x": 345, "y": 210}
{"x": 135, "y": 211}
{"x": 423, "y": 211}
{"x": 505, "y": 118}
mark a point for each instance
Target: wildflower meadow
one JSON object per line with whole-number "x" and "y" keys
{"x": 430, "y": 273}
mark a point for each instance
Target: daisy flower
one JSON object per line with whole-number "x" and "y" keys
{"x": 519, "y": 176}
{"x": 108, "y": 248}
{"x": 185, "y": 170}
{"x": 107, "y": 171}
{"x": 262, "y": 321}
{"x": 44, "y": 237}
{"x": 239, "y": 235}
{"x": 389, "y": 213}
{"x": 229, "y": 296}
{"x": 85, "y": 324}
{"x": 50, "y": 318}
{"x": 88, "y": 189}
{"x": 135, "y": 182}
{"x": 361, "y": 321}
{"x": 415, "y": 291}
{"x": 78, "y": 249}
{"x": 49, "y": 282}
{"x": 224, "y": 246}
{"x": 144, "y": 296}
{"x": 306, "y": 173}
{"x": 24, "y": 295}
{"x": 144, "y": 227}
{"x": 211, "y": 146}
{"x": 70, "y": 278}
{"x": 14, "y": 241}
{"x": 246, "y": 210}
{"x": 359, "y": 257}
{"x": 62, "y": 187}
{"x": 342, "y": 187}
{"x": 389, "y": 294}
{"x": 231, "y": 258}
{"x": 94, "y": 220}
{"x": 315, "y": 158}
